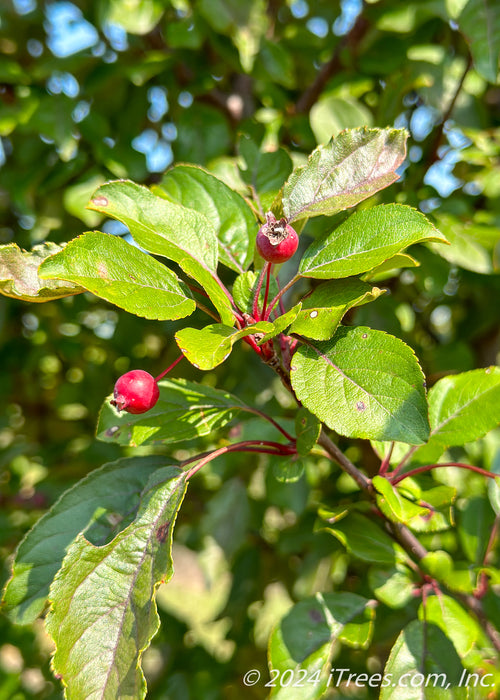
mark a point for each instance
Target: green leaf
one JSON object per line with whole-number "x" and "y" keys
{"x": 103, "y": 613}
{"x": 475, "y": 521}
{"x": 304, "y": 639}
{"x": 363, "y": 383}
{"x": 99, "y": 502}
{"x": 308, "y": 429}
{"x": 456, "y": 576}
{"x": 393, "y": 505}
{"x": 208, "y": 347}
{"x": 167, "y": 229}
{"x": 244, "y": 23}
{"x": 288, "y": 471}
{"x": 422, "y": 649}
{"x": 281, "y": 323}
{"x": 392, "y": 586}
{"x": 323, "y": 310}
{"x": 437, "y": 501}
{"x": 314, "y": 621}
{"x": 333, "y": 514}
{"x": 462, "y": 408}
{"x": 391, "y": 267}
{"x": 494, "y": 485}
{"x": 124, "y": 275}
{"x": 479, "y": 22}
{"x": 135, "y": 16}
{"x": 228, "y": 505}
{"x": 264, "y": 171}
{"x": 277, "y": 62}
{"x": 234, "y": 222}
{"x": 203, "y": 134}
{"x": 19, "y": 274}
{"x": 244, "y": 289}
{"x": 76, "y": 197}
{"x": 331, "y": 115}
{"x": 350, "y": 168}
{"x": 364, "y": 539}
{"x": 460, "y": 627}
{"x": 439, "y": 564}
{"x": 185, "y": 410}
{"x": 465, "y": 250}
{"x": 365, "y": 240}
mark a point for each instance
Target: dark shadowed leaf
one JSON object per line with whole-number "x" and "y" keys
{"x": 99, "y": 645}
{"x": 100, "y": 502}
{"x": 422, "y": 648}
{"x": 479, "y": 22}
{"x": 303, "y": 641}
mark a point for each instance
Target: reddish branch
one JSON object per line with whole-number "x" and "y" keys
{"x": 428, "y": 467}
{"x": 261, "y": 446}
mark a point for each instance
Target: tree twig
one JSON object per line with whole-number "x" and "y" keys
{"x": 310, "y": 96}
{"x": 433, "y": 157}
{"x": 338, "y": 456}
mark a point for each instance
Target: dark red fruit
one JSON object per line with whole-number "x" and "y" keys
{"x": 135, "y": 392}
{"x": 277, "y": 241}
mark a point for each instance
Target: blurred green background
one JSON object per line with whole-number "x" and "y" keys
{"x": 93, "y": 91}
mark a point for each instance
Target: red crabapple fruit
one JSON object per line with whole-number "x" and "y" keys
{"x": 276, "y": 241}
{"x": 135, "y": 392}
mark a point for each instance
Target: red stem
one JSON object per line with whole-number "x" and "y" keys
{"x": 428, "y": 467}
{"x": 261, "y": 414}
{"x": 248, "y": 339}
{"x": 266, "y": 293}
{"x": 262, "y": 446}
{"x": 384, "y": 465}
{"x": 166, "y": 371}
{"x": 279, "y": 295}
{"x": 255, "y": 306}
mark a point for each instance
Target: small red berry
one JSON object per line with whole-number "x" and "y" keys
{"x": 276, "y": 241}
{"x": 135, "y": 392}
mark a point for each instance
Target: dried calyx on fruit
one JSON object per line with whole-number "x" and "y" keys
{"x": 135, "y": 392}
{"x": 276, "y": 241}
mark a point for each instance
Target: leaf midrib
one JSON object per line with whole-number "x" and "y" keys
{"x": 349, "y": 379}
{"x": 342, "y": 193}
{"x": 457, "y": 413}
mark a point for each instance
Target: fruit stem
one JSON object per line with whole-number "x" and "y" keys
{"x": 166, "y": 371}
{"x": 262, "y": 446}
{"x": 279, "y": 295}
{"x": 248, "y": 339}
{"x": 266, "y": 293}
{"x": 428, "y": 467}
{"x": 255, "y": 305}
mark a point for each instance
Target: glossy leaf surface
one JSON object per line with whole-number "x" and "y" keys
{"x": 114, "y": 270}
{"x": 340, "y": 383}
